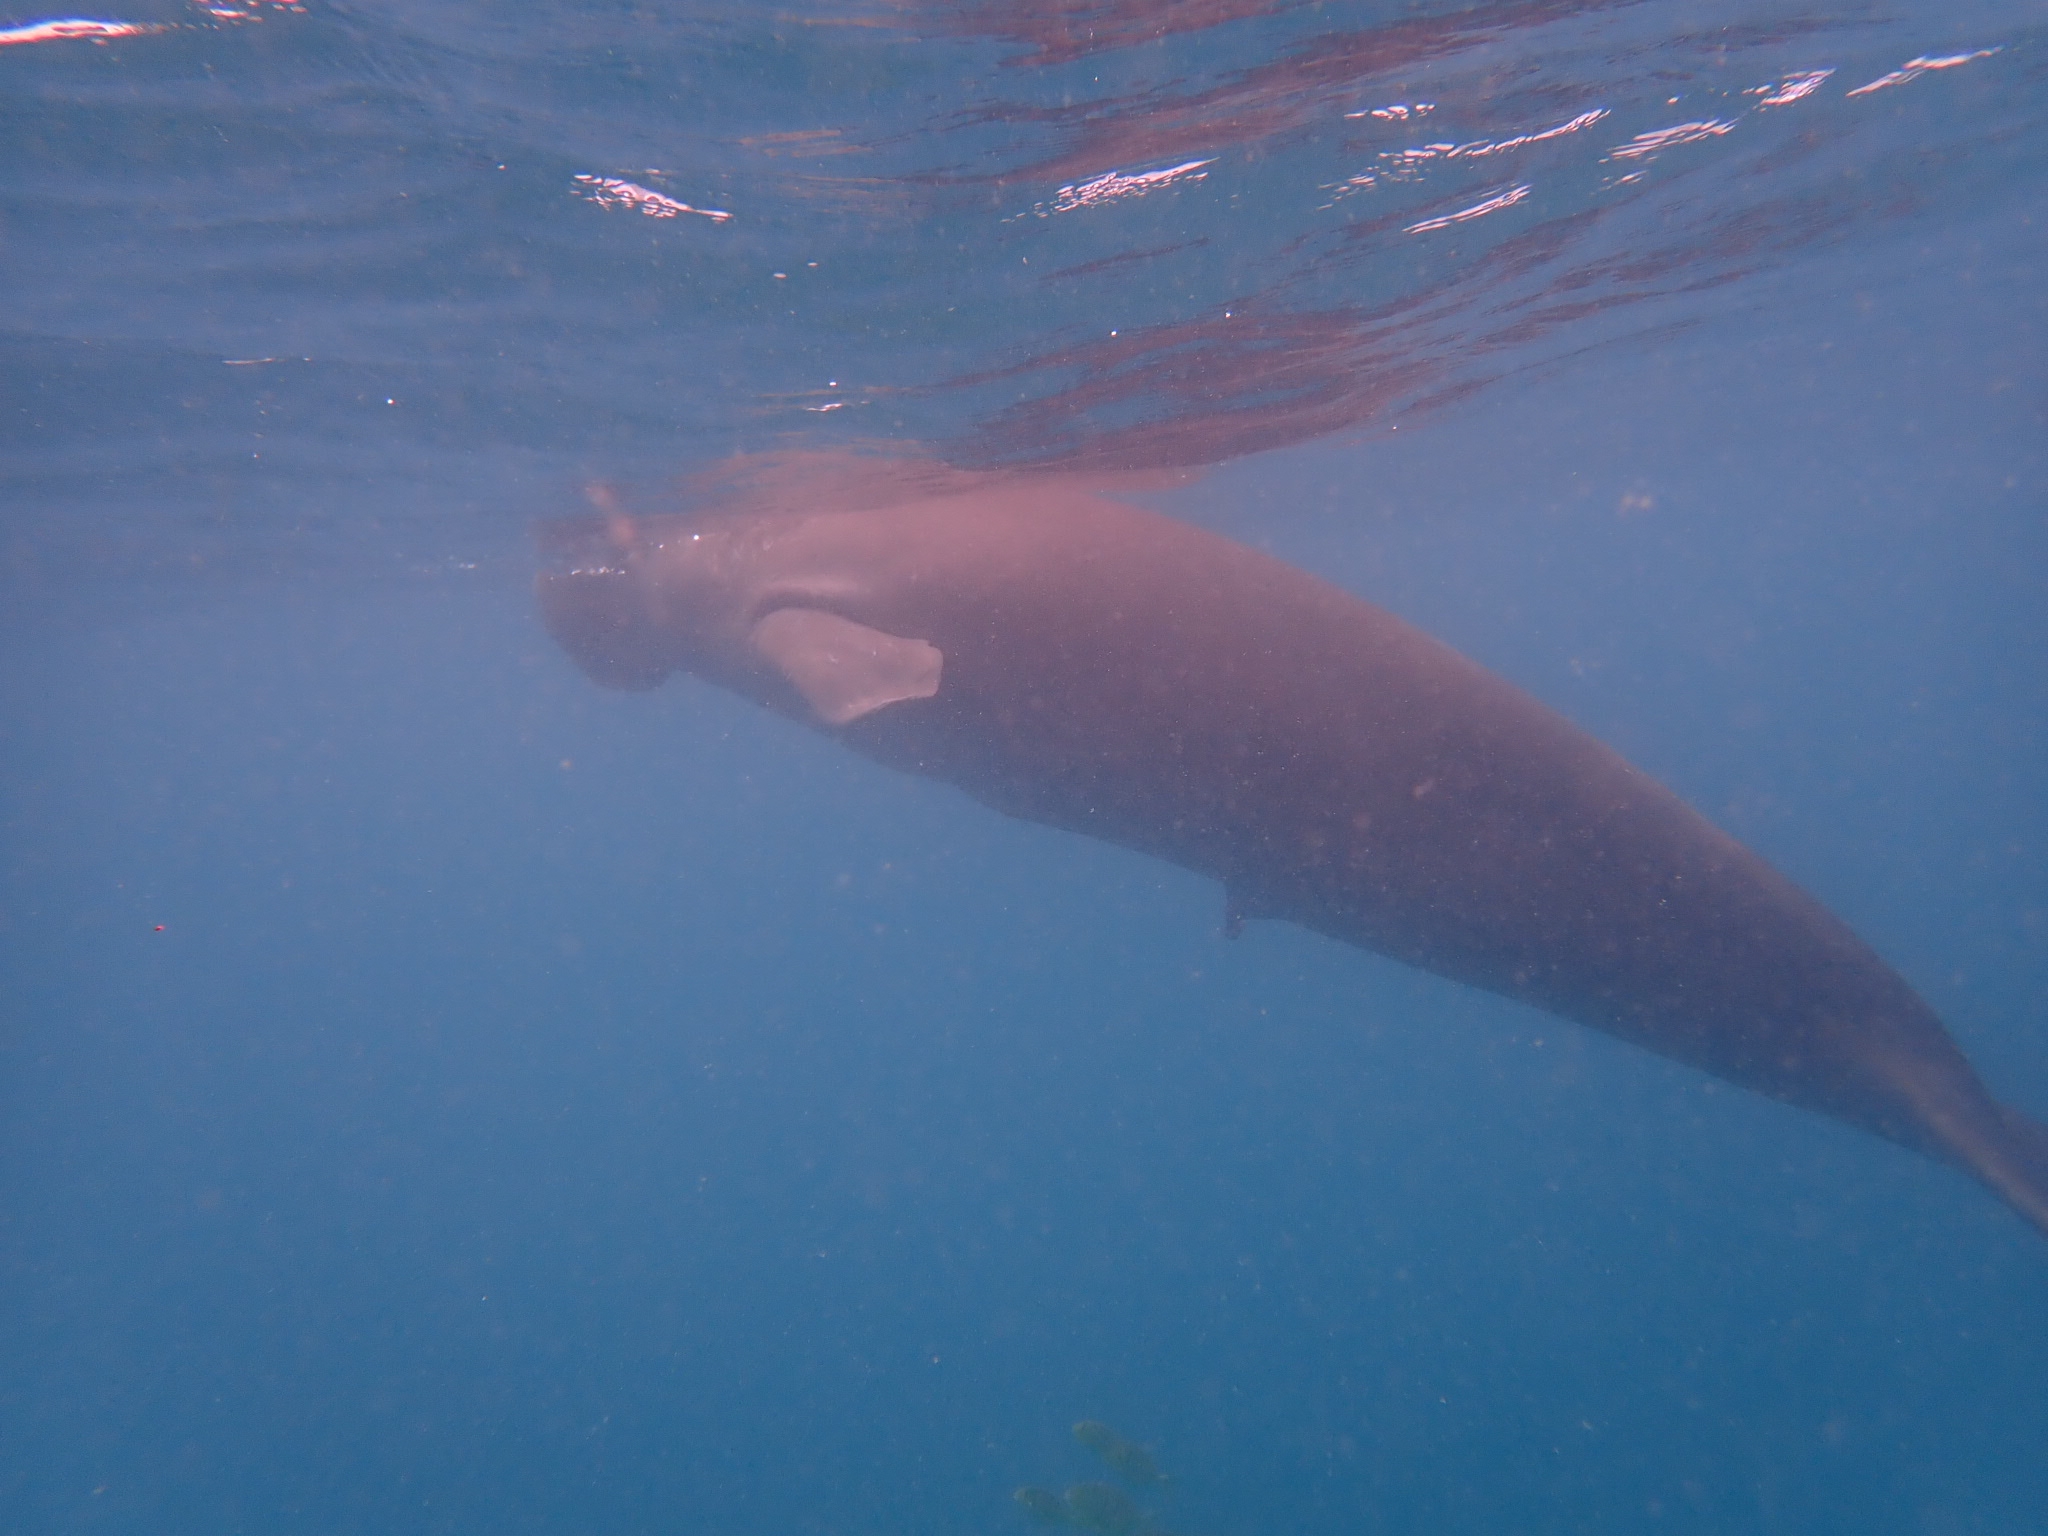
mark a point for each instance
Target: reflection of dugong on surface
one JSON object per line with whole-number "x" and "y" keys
{"x": 1085, "y": 664}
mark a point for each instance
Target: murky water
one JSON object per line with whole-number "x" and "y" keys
{"x": 445, "y": 1096}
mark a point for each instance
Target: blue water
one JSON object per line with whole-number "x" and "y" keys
{"x": 441, "y": 1096}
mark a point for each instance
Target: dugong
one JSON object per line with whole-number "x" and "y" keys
{"x": 1076, "y": 661}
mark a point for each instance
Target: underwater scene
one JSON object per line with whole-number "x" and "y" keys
{"x": 1140, "y": 767}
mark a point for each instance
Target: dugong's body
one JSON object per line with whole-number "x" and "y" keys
{"x": 1075, "y": 661}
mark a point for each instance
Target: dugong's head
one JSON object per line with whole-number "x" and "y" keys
{"x": 758, "y": 604}
{"x": 598, "y": 601}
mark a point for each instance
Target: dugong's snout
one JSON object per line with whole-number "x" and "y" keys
{"x": 596, "y": 604}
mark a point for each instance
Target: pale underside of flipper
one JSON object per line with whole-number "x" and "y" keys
{"x": 846, "y": 670}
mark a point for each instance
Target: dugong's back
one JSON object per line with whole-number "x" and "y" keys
{"x": 1117, "y": 673}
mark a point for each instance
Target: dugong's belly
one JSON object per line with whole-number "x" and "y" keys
{"x": 1336, "y": 768}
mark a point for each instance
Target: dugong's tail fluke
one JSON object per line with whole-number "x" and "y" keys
{"x": 2021, "y": 1177}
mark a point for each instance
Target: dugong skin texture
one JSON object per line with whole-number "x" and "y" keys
{"x": 1114, "y": 672}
